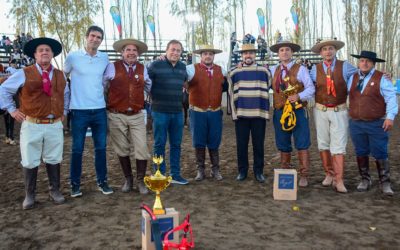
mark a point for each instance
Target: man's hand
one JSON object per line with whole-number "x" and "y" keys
{"x": 387, "y": 125}
{"x": 293, "y": 98}
{"x": 387, "y": 76}
{"x": 18, "y": 115}
{"x": 162, "y": 57}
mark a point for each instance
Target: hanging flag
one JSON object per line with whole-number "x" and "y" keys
{"x": 261, "y": 20}
{"x": 152, "y": 26}
{"x": 295, "y": 17}
{"x": 117, "y": 19}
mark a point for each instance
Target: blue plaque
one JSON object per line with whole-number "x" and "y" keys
{"x": 166, "y": 224}
{"x": 286, "y": 181}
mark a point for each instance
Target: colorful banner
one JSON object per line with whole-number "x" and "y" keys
{"x": 152, "y": 26}
{"x": 114, "y": 11}
{"x": 261, "y": 20}
{"x": 295, "y": 17}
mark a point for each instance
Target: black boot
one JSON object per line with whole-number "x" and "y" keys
{"x": 30, "y": 176}
{"x": 141, "y": 167}
{"x": 363, "y": 168}
{"x": 53, "y": 173}
{"x": 384, "y": 176}
{"x": 200, "y": 159}
{"x": 125, "y": 162}
{"x": 214, "y": 157}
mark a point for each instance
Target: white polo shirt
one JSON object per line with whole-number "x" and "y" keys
{"x": 86, "y": 72}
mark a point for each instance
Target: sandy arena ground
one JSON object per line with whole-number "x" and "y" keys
{"x": 224, "y": 215}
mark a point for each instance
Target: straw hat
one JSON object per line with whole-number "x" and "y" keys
{"x": 141, "y": 46}
{"x": 206, "y": 47}
{"x": 318, "y": 46}
{"x": 247, "y": 47}
{"x": 275, "y": 48}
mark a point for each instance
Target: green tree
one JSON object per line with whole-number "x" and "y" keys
{"x": 67, "y": 20}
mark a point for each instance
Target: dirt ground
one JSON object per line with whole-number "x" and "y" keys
{"x": 224, "y": 215}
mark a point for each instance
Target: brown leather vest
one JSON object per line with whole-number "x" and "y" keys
{"x": 125, "y": 93}
{"x": 321, "y": 95}
{"x": 279, "y": 97}
{"x": 34, "y": 102}
{"x": 204, "y": 92}
{"x": 370, "y": 105}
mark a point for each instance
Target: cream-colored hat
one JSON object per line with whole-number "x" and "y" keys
{"x": 206, "y": 47}
{"x": 120, "y": 44}
{"x": 275, "y": 48}
{"x": 247, "y": 47}
{"x": 318, "y": 46}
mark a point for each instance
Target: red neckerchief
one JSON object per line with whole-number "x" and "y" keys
{"x": 207, "y": 69}
{"x": 130, "y": 69}
{"x": 281, "y": 81}
{"x": 46, "y": 80}
{"x": 330, "y": 86}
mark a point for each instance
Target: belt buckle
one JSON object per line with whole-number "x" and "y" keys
{"x": 336, "y": 109}
{"x": 324, "y": 108}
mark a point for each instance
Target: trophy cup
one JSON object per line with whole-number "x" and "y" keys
{"x": 291, "y": 90}
{"x": 157, "y": 183}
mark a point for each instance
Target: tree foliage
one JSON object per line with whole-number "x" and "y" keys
{"x": 67, "y": 20}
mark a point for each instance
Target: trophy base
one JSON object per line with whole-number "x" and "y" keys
{"x": 166, "y": 222}
{"x": 158, "y": 211}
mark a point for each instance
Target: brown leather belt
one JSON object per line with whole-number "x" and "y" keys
{"x": 194, "y": 108}
{"x": 128, "y": 113}
{"x": 42, "y": 121}
{"x": 325, "y": 108}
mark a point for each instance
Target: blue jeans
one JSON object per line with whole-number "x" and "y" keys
{"x": 96, "y": 119}
{"x": 168, "y": 125}
{"x": 369, "y": 138}
{"x": 301, "y": 132}
{"x": 206, "y": 128}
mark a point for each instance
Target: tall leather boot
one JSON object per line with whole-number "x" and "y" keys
{"x": 304, "y": 160}
{"x": 141, "y": 166}
{"x": 53, "y": 173}
{"x": 30, "y": 177}
{"x": 214, "y": 157}
{"x": 384, "y": 176}
{"x": 338, "y": 167}
{"x": 285, "y": 160}
{"x": 125, "y": 162}
{"x": 363, "y": 168}
{"x": 327, "y": 165}
{"x": 200, "y": 159}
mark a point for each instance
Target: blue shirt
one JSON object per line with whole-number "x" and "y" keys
{"x": 387, "y": 90}
{"x": 17, "y": 80}
{"x": 87, "y": 90}
{"x": 348, "y": 70}
{"x": 303, "y": 76}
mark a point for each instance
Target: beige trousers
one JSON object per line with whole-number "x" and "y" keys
{"x": 332, "y": 130}
{"x": 41, "y": 141}
{"x": 127, "y": 132}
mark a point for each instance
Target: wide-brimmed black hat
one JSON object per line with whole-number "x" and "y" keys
{"x": 30, "y": 47}
{"x": 369, "y": 55}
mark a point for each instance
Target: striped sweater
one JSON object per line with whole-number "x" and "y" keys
{"x": 248, "y": 92}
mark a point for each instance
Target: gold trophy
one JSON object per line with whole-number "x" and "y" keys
{"x": 291, "y": 90}
{"x": 157, "y": 183}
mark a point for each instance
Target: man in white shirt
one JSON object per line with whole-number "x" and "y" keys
{"x": 88, "y": 108}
